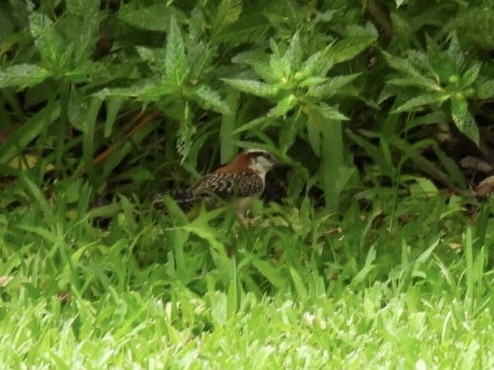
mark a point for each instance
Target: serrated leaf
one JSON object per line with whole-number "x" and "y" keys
{"x": 422, "y": 82}
{"x": 228, "y": 12}
{"x": 313, "y": 81}
{"x": 155, "y": 59}
{"x": 318, "y": 64}
{"x": 210, "y": 99}
{"x": 88, "y": 71}
{"x": 156, "y": 92}
{"x": 288, "y": 134}
{"x": 82, "y": 7}
{"x": 259, "y": 62}
{"x": 112, "y": 108}
{"x": 280, "y": 66}
{"x": 348, "y": 48}
{"x": 185, "y": 133}
{"x": 175, "y": 59}
{"x": 152, "y": 18}
{"x": 401, "y": 64}
{"x": 283, "y": 106}
{"x": 77, "y": 110}
{"x": 39, "y": 24}
{"x": 464, "y": 120}
{"x": 200, "y": 58}
{"x": 294, "y": 52}
{"x": 27, "y": 132}
{"x": 48, "y": 41}
{"x": 332, "y": 86}
{"x": 253, "y": 87}
{"x": 252, "y": 125}
{"x": 246, "y": 29}
{"x": 470, "y": 75}
{"x": 417, "y": 77}
{"x": 23, "y": 75}
{"x": 119, "y": 92}
{"x": 424, "y": 99}
{"x": 331, "y": 113}
{"x": 147, "y": 91}
{"x": 314, "y": 136}
{"x": 82, "y": 28}
{"x": 485, "y": 89}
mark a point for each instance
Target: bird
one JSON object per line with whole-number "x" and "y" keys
{"x": 242, "y": 180}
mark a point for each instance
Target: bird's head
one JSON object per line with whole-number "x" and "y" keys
{"x": 259, "y": 161}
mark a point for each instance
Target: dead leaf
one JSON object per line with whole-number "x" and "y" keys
{"x": 485, "y": 187}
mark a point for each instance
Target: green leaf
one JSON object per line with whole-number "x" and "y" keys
{"x": 154, "y": 57}
{"x": 23, "y": 75}
{"x": 298, "y": 284}
{"x": 82, "y": 7}
{"x": 470, "y": 75}
{"x": 145, "y": 90}
{"x": 270, "y": 272}
{"x": 464, "y": 120}
{"x": 259, "y": 62}
{"x": 228, "y": 12}
{"x": 253, "y": 87}
{"x": 228, "y": 123}
{"x": 112, "y": 108}
{"x": 185, "y": 133}
{"x": 422, "y": 82}
{"x": 175, "y": 59}
{"x": 48, "y": 41}
{"x": 331, "y": 113}
{"x": 418, "y": 79}
{"x": 210, "y": 99}
{"x": 485, "y": 89}
{"x": 288, "y": 132}
{"x": 253, "y": 125}
{"x": 332, "y": 86}
{"x": 348, "y": 48}
{"x": 424, "y": 99}
{"x": 179, "y": 217}
{"x": 247, "y": 28}
{"x": 78, "y": 106}
{"x": 39, "y": 24}
{"x": 83, "y": 29}
{"x": 152, "y": 18}
{"x": 280, "y": 66}
{"x": 313, "y": 81}
{"x": 294, "y": 52}
{"x": 318, "y": 64}
{"x": 374, "y": 152}
{"x": 88, "y": 71}
{"x": 283, "y": 106}
{"x": 314, "y": 136}
{"x": 27, "y": 132}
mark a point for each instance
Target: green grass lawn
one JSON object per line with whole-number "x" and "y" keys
{"x": 375, "y": 108}
{"x": 407, "y": 286}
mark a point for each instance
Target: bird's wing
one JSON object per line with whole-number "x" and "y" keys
{"x": 228, "y": 184}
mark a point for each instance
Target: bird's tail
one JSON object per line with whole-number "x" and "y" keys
{"x": 184, "y": 199}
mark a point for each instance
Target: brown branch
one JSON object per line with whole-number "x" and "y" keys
{"x": 139, "y": 122}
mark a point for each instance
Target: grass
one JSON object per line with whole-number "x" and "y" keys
{"x": 110, "y": 101}
{"x": 407, "y": 285}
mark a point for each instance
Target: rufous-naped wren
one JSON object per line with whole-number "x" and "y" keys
{"x": 241, "y": 180}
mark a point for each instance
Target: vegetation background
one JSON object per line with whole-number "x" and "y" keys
{"x": 369, "y": 251}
